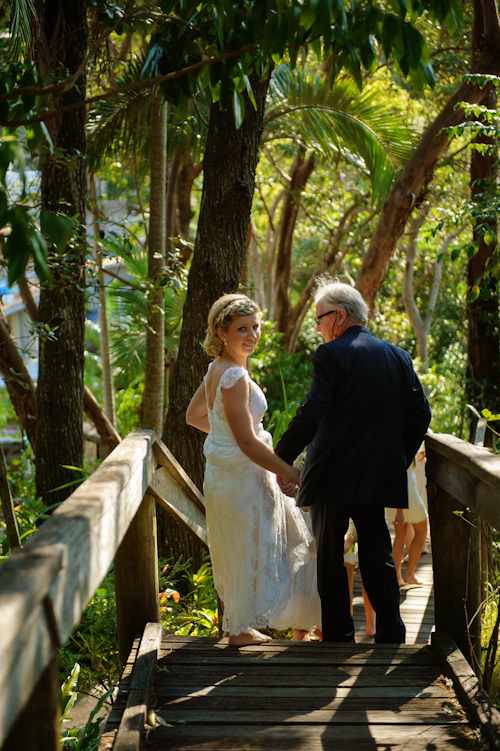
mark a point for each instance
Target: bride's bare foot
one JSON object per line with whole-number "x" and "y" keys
{"x": 300, "y": 634}
{"x": 244, "y": 639}
{"x": 412, "y": 580}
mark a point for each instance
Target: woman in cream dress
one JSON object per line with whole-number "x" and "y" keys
{"x": 259, "y": 544}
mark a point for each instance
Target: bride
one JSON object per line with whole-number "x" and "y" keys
{"x": 259, "y": 543}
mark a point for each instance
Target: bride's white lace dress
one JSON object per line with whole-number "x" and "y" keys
{"x": 262, "y": 553}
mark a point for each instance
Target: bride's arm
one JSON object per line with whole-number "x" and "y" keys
{"x": 235, "y": 400}
{"x": 197, "y": 412}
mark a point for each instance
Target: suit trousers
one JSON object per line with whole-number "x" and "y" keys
{"x": 378, "y": 572}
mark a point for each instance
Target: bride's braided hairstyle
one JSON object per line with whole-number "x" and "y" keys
{"x": 221, "y": 315}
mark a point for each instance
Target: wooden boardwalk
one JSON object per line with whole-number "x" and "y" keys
{"x": 209, "y": 696}
{"x": 286, "y": 696}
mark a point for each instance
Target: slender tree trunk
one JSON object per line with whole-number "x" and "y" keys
{"x": 258, "y": 280}
{"x": 62, "y": 41}
{"x": 154, "y": 371}
{"x": 9, "y": 513}
{"x": 300, "y": 173}
{"x": 187, "y": 175}
{"x": 230, "y": 162}
{"x": 107, "y": 374}
{"x": 483, "y": 367}
{"x": 170, "y": 209}
{"x": 18, "y": 382}
{"x": 419, "y": 171}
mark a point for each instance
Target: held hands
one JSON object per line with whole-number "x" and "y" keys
{"x": 289, "y": 481}
{"x": 400, "y": 517}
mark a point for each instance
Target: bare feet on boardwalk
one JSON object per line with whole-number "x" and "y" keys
{"x": 370, "y": 625}
{"x": 300, "y": 634}
{"x": 244, "y": 639}
{"x": 413, "y": 580}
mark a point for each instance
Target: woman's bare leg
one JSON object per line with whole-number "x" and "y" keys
{"x": 370, "y": 615}
{"x": 415, "y": 551}
{"x": 398, "y": 549}
{"x": 350, "y": 580}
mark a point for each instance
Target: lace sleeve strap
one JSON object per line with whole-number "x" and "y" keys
{"x": 231, "y": 376}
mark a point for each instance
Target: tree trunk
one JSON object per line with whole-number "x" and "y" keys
{"x": 170, "y": 207}
{"x": 62, "y": 41}
{"x": 107, "y": 374}
{"x": 187, "y": 175}
{"x": 18, "y": 382}
{"x": 419, "y": 171}
{"x": 154, "y": 370}
{"x": 7, "y": 504}
{"x": 300, "y": 173}
{"x": 229, "y": 164}
{"x": 483, "y": 367}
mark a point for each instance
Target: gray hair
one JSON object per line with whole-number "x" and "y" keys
{"x": 337, "y": 295}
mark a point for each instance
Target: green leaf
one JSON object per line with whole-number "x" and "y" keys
{"x": 39, "y": 250}
{"x": 250, "y": 93}
{"x": 485, "y": 293}
{"x": 34, "y": 135}
{"x": 238, "y": 109}
{"x": 474, "y": 411}
{"x": 412, "y": 40}
{"x": 57, "y": 227}
{"x": 390, "y": 30}
{"x": 226, "y": 92}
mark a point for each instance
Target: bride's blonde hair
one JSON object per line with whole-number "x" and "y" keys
{"x": 221, "y": 315}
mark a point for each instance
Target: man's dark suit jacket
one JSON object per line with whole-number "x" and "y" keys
{"x": 364, "y": 419}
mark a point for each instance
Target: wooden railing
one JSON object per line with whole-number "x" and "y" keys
{"x": 464, "y": 490}
{"x": 45, "y": 587}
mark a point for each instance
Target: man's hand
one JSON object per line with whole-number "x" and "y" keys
{"x": 287, "y": 488}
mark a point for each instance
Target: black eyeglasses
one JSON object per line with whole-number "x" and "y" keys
{"x": 318, "y": 318}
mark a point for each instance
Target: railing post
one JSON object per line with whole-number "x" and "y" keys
{"x": 136, "y": 577}
{"x": 457, "y": 571}
{"x": 38, "y": 726}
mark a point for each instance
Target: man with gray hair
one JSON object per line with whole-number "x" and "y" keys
{"x": 363, "y": 421}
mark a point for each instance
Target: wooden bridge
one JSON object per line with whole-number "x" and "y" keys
{"x": 199, "y": 693}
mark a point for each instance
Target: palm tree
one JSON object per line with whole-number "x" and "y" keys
{"x": 325, "y": 124}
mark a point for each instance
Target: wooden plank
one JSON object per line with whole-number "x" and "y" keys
{"x": 310, "y": 738}
{"x": 166, "y": 459}
{"x": 67, "y": 558}
{"x": 318, "y": 716}
{"x": 174, "y": 499}
{"x": 280, "y": 680}
{"x": 134, "y": 717}
{"x": 203, "y": 642}
{"x": 180, "y": 658}
{"x": 468, "y": 688}
{"x": 470, "y": 474}
{"x": 301, "y": 704}
{"x": 175, "y": 689}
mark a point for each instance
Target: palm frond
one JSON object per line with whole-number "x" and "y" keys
{"x": 129, "y": 318}
{"x": 22, "y": 15}
{"x": 122, "y": 124}
{"x": 339, "y": 122}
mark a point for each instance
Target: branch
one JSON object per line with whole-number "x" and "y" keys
{"x": 143, "y": 83}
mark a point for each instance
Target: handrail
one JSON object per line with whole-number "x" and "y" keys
{"x": 463, "y": 483}
{"x": 46, "y": 585}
